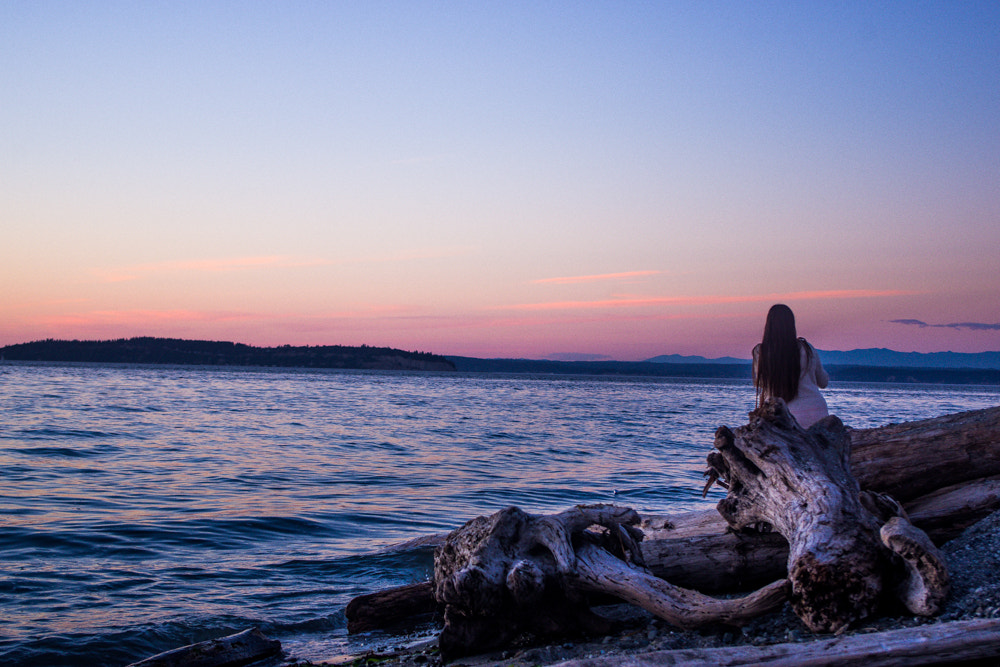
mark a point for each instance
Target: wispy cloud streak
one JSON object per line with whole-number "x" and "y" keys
{"x": 974, "y": 326}
{"x": 639, "y": 302}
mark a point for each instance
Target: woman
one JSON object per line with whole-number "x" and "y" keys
{"x": 788, "y": 367}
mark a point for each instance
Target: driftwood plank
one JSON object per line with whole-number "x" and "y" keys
{"x": 934, "y": 644}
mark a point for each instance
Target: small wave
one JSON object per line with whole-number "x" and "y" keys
{"x": 27, "y": 541}
{"x": 506, "y": 435}
{"x": 67, "y": 452}
{"x": 50, "y": 433}
{"x": 218, "y": 533}
{"x": 122, "y": 646}
{"x": 132, "y": 408}
{"x": 392, "y": 447}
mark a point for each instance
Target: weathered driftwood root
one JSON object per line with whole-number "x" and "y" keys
{"x": 799, "y": 483}
{"x": 500, "y": 576}
{"x": 242, "y": 648}
{"x": 959, "y": 642}
{"x": 513, "y": 572}
{"x": 924, "y": 583}
{"x": 599, "y": 572}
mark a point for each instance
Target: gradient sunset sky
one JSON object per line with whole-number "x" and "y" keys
{"x": 502, "y": 179}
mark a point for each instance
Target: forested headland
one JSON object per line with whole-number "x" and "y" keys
{"x": 149, "y": 350}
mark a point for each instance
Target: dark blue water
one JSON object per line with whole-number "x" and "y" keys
{"x": 142, "y": 509}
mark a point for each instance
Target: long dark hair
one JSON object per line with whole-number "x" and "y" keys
{"x": 778, "y": 366}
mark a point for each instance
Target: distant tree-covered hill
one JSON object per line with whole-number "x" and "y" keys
{"x": 716, "y": 370}
{"x": 202, "y": 352}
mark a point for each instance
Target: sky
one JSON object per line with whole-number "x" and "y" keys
{"x": 502, "y": 179}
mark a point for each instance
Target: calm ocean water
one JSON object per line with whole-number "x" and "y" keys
{"x": 146, "y": 508}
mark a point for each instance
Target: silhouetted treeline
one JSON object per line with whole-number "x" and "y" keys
{"x": 218, "y": 353}
{"x": 632, "y": 368}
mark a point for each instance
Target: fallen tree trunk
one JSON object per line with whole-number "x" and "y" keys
{"x": 915, "y": 458}
{"x": 717, "y": 561}
{"x": 967, "y": 642}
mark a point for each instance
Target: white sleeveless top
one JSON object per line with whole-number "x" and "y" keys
{"x": 808, "y": 406}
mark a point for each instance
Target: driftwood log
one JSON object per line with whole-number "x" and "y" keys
{"x": 242, "y": 648}
{"x": 695, "y": 549}
{"x": 845, "y": 546}
{"x": 913, "y": 459}
{"x": 513, "y": 572}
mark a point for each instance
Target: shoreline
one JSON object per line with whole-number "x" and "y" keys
{"x": 973, "y": 560}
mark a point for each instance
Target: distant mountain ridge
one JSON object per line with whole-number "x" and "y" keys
{"x": 884, "y": 357}
{"x": 694, "y": 359}
{"x": 868, "y": 357}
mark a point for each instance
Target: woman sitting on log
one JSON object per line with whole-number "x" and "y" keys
{"x": 787, "y": 367}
